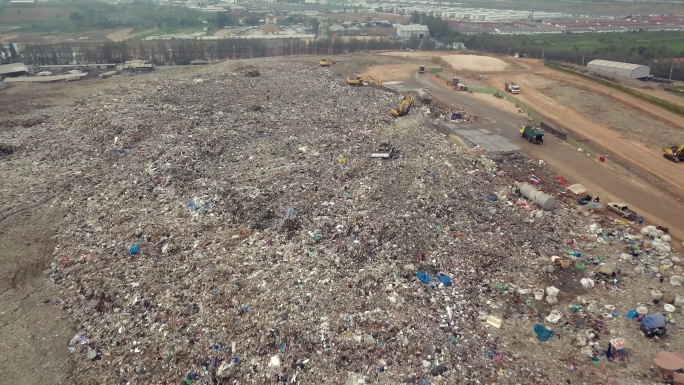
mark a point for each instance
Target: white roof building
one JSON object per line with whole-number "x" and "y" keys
{"x": 413, "y": 30}
{"x": 634, "y": 71}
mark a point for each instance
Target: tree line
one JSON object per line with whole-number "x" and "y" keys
{"x": 180, "y": 52}
{"x": 659, "y": 58}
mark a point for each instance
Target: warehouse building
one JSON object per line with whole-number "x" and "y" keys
{"x": 634, "y": 71}
{"x": 412, "y": 30}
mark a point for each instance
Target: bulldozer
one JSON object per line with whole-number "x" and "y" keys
{"x": 359, "y": 80}
{"x": 404, "y": 107}
{"x": 325, "y": 62}
{"x": 674, "y": 153}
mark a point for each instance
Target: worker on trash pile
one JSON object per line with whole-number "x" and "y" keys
{"x": 597, "y": 199}
{"x": 641, "y": 220}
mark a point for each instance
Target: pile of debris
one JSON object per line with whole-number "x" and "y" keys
{"x": 212, "y": 233}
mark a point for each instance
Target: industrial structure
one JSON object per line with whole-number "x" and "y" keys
{"x": 412, "y": 30}
{"x": 13, "y": 70}
{"x": 634, "y": 71}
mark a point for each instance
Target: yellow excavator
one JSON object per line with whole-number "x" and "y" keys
{"x": 674, "y": 153}
{"x": 326, "y": 62}
{"x": 360, "y": 79}
{"x": 404, "y": 107}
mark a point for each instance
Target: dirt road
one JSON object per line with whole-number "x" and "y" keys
{"x": 628, "y": 149}
{"x": 34, "y": 329}
{"x": 611, "y": 182}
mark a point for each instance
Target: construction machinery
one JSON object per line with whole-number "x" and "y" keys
{"x": 532, "y": 134}
{"x": 512, "y": 88}
{"x": 359, "y": 80}
{"x": 385, "y": 151}
{"x": 404, "y": 107}
{"x": 674, "y": 153}
{"x": 325, "y": 62}
{"x": 421, "y": 69}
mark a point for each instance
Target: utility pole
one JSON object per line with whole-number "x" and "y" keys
{"x": 582, "y": 60}
{"x": 543, "y": 54}
{"x": 671, "y": 68}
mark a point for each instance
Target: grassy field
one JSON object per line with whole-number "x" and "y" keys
{"x": 21, "y": 15}
{"x": 595, "y": 43}
{"x": 77, "y": 16}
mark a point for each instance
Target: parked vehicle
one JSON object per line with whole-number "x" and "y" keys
{"x": 622, "y": 210}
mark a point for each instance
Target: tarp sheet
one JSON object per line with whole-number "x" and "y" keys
{"x": 654, "y": 321}
{"x": 577, "y": 189}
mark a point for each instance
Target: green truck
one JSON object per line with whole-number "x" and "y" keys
{"x": 532, "y": 134}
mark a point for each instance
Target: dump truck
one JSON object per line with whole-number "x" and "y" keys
{"x": 512, "y": 88}
{"x": 532, "y": 134}
{"x": 421, "y": 69}
{"x": 674, "y": 153}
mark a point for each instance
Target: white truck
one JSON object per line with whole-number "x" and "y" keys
{"x": 512, "y": 88}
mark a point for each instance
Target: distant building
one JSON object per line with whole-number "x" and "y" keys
{"x": 272, "y": 19}
{"x": 413, "y": 30}
{"x": 634, "y": 71}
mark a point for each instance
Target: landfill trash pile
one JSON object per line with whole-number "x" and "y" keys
{"x": 232, "y": 229}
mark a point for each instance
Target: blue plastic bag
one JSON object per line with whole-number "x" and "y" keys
{"x": 445, "y": 280}
{"x": 424, "y": 277}
{"x": 135, "y": 249}
{"x": 632, "y": 314}
{"x": 543, "y": 334}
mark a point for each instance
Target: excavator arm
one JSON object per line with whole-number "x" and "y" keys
{"x": 359, "y": 79}
{"x": 370, "y": 78}
{"x": 404, "y": 107}
{"x": 674, "y": 154}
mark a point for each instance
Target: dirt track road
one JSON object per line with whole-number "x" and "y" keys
{"x": 611, "y": 183}
{"x": 631, "y": 151}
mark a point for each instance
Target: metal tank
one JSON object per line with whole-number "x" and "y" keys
{"x": 540, "y": 198}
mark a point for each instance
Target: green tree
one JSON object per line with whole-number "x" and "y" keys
{"x": 222, "y": 19}
{"x": 415, "y": 17}
{"x": 75, "y": 16}
{"x": 252, "y": 21}
{"x": 314, "y": 23}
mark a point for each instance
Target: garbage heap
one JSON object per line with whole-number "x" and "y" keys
{"x": 229, "y": 228}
